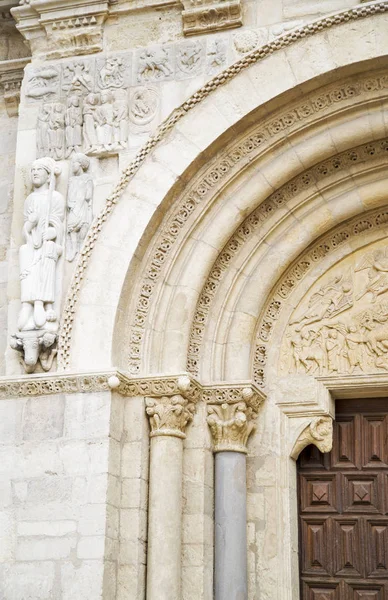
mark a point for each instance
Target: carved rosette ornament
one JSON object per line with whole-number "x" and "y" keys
{"x": 169, "y": 415}
{"x": 319, "y": 432}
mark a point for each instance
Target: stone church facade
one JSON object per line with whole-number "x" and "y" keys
{"x": 194, "y": 300}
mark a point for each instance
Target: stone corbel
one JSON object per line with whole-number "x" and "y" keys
{"x": 318, "y": 432}
{"x": 61, "y": 28}
{"x": 232, "y": 411}
{"x": 207, "y": 16}
{"x": 11, "y": 77}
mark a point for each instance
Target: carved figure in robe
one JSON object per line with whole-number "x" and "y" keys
{"x": 120, "y": 118}
{"x": 42, "y": 138}
{"x": 104, "y": 119}
{"x": 79, "y": 204}
{"x": 56, "y": 131}
{"x": 44, "y": 213}
{"x": 73, "y": 122}
{"x": 377, "y": 265}
{"x": 334, "y": 350}
{"x": 90, "y": 106}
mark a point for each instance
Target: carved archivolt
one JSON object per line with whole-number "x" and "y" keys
{"x": 319, "y": 432}
{"x": 341, "y": 289}
{"x": 305, "y": 181}
{"x": 168, "y": 124}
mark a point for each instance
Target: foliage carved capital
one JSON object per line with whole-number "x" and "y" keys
{"x": 231, "y": 426}
{"x": 169, "y": 415}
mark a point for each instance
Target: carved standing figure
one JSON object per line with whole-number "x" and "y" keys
{"x": 44, "y": 212}
{"x": 104, "y": 118}
{"x": 73, "y": 122}
{"x": 120, "y": 118}
{"x": 90, "y": 120}
{"x": 56, "y": 131}
{"x": 42, "y": 139}
{"x": 79, "y": 204}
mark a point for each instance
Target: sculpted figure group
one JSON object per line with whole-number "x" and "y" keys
{"x": 97, "y": 124}
{"x": 320, "y": 343}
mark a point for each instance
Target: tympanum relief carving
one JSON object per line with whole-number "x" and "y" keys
{"x": 43, "y": 233}
{"x": 341, "y": 326}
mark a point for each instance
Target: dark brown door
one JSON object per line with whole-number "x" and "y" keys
{"x": 343, "y": 508}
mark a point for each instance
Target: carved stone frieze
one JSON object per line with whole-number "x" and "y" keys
{"x": 205, "y": 17}
{"x": 42, "y": 83}
{"x": 230, "y": 394}
{"x": 219, "y": 80}
{"x": 154, "y": 64}
{"x": 230, "y": 426}
{"x": 341, "y": 327}
{"x": 319, "y": 432}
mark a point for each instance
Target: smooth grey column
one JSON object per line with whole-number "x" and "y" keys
{"x": 230, "y": 526}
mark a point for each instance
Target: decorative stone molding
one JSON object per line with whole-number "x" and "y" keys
{"x": 319, "y": 432}
{"x": 205, "y": 17}
{"x": 229, "y": 73}
{"x": 274, "y": 203}
{"x": 169, "y": 415}
{"x": 42, "y": 385}
{"x": 59, "y": 28}
{"x": 230, "y": 426}
{"x": 11, "y": 77}
{"x": 219, "y": 394}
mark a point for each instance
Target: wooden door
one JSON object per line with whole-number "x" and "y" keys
{"x": 343, "y": 508}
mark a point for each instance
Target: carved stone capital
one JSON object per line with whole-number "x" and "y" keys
{"x": 319, "y": 432}
{"x": 11, "y": 77}
{"x": 231, "y": 426}
{"x": 169, "y": 415}
{"x": 210, "y": 16}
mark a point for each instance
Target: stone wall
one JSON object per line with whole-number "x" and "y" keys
{"x": 8, "y": 128}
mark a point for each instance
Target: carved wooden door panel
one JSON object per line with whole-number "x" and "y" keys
{"x": 343, "y": 508}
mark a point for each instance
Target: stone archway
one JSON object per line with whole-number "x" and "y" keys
{"x": 180, "y": 270}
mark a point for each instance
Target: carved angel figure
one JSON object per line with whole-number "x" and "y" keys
{"x": 328, "y": 301}
{"x": 79, "y": 204}
{"x": 44, "y": 212}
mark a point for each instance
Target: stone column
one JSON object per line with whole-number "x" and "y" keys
{"x": 169, "y": 416}
{"x": 231, "y": 425}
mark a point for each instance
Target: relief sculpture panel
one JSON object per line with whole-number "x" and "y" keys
{"x": 341, "y": 326}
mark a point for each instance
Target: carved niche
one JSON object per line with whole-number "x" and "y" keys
{"x": 341, "y": 325}
{"x": 43, "y": 233}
